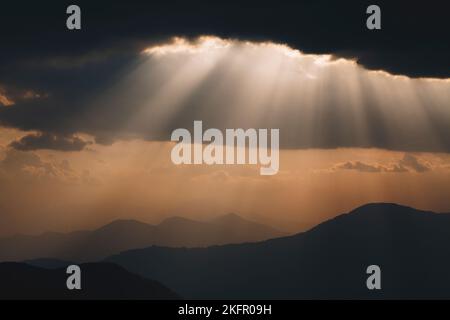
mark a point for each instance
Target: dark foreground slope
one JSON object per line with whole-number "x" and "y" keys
{"x": 99, "y": 281}
{"x": 412, "y": 248}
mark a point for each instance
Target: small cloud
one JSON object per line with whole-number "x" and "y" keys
{"x": 397, "y": 168}
{"x": 413, "y": 163}
{"x": 30, "y": 94}
{"x": 28, "y": 165}
{"x": 10, "y": 96}
{"x": 49, "y": 141}
{"x": 359, "y": 166}
{"x": 16, "y": 160}
{"x": 5, "y": 101}
{"x": 409, "y": 163}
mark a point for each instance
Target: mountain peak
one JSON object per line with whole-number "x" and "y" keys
{"x": 382, "y": 205}
{"x": 124, "y": 224}
{"x": 231, "y": 219}
{"x": 384, "y": 208}
{"x": 121, "y": 235}
{"x": 298, "y": 267}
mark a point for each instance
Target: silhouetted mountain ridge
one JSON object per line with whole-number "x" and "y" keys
{"x": 122, "y": 224}
{"x": 121, "y": 235}
{"x": 411, "y": 246}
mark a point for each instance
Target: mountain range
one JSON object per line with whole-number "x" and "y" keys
{"x": 121, "y": 235}
{"x": 330, "y": 261}
{"x": 411, "y": 247}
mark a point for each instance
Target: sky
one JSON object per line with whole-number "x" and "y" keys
{"x": 86, "y": 116}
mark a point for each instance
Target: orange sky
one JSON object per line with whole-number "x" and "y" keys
{"x": 315, "y": 100}
{"x": 62, "y": 191}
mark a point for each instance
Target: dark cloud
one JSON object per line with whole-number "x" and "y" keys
{"x": 72, "y": 69}
{"x": 49, "y": 141}
{"x": 154, "y": 96}
{"x": 412, "y": 40}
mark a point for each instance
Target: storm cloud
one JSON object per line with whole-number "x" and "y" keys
{"x": 97, "y": 81}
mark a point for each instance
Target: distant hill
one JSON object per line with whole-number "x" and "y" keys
{"x": 412, "y": 248}
{"x": 121, "y": 235}
{"x": 98, "y": 281}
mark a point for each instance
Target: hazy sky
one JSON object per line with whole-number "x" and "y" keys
{"x": 349, "y": 136}
{"x": 51, "y": 190}
{"x": 86, "y": 118}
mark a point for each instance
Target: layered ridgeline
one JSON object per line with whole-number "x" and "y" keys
{"x": 123, "y": 235}
{"x": 411, "y": 247}
{"x": 98, "y": 281}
